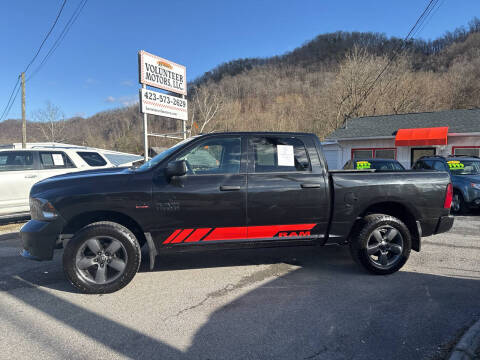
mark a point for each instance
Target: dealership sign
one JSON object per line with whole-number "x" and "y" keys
{"x": 161, "y": 73}
{"x": 156, "y": 103}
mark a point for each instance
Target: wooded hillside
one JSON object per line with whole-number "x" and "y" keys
{"x": 314, "y": 88}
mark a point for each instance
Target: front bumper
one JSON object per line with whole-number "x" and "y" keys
{"x": 474, "y": 204}
{"x": 39, "y": 238}
{"x": 472, "y": 197}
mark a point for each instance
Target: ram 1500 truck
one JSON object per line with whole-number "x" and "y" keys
{"x": 227, "y": 190}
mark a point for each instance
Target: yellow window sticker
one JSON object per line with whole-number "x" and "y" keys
{"x": 363, "y": 165}
{"x": 455, "y": 165}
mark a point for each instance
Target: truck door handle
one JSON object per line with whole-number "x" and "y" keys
{"x": 30, "y": 176}
{"x": 310, "y": 186}
{"x": 229, "y": 188}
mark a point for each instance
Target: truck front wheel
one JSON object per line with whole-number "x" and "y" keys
{"x": 101, "y": 258}
{"x": 382, "y": 244}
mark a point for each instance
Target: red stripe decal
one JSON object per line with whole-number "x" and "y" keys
{"x": 233, "y": 233}
{"x": 171, "y": 237}
{"x": 182, "y": 236}
{"x": 257, "y": 232}
{"x": 227, "y": 233}
{"x": 198, "y": 234}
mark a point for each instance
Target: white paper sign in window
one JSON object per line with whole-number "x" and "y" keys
{"x": 285, "y": 155}
{"x": 58, "y": 160}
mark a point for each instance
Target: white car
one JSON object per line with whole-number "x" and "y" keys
{"x": 21, "y": 168}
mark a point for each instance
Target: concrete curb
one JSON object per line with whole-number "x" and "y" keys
{"x": 468, "y": 344}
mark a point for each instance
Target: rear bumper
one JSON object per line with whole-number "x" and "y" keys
{"x": 445, "y": 223}
{"x": 39, "y": 238}
{"x": 436, "y": 225}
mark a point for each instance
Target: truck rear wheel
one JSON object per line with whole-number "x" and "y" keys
{"x": 382, "y": 244}
{"x": 101, "y": 258}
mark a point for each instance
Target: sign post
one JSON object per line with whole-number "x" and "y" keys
{"x": 163, "y": 74}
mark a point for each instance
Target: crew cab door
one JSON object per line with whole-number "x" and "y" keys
{"x": 287, "y": 189}
{"x": 209, "y": 202}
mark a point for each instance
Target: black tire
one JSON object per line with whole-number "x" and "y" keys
{"x": 461, "y": 208}
{"x": 361, "y": 245}
{"x": 78, "y": 249}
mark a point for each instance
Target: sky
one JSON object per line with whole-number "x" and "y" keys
{"x": 95, "y": 67}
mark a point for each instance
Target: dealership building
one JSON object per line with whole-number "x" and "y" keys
{"x": 405, "y": 137}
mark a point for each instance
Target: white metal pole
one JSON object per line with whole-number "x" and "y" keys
{"x": 184, "y": 124}
{"x": 145, "y": 131}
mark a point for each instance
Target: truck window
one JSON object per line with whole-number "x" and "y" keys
{"x": 16, "y": 161}
{"x": 214, "y": 156}
{"x": 277, "y": 154}
{"x": 92, "y": 158}
{"x": 55, "y": 160}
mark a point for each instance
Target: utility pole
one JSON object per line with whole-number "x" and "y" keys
{"x": 24, "y": 121}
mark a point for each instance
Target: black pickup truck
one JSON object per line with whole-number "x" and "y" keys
{"x": 228, "y": 190}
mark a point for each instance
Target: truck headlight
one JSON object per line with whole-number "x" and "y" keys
{"x": 475, "y": 186}
{"x": 41, "y": 209}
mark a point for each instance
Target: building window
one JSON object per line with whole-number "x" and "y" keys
{"x": 362, "y": 154}
{"x": 469, "y": 151}
{"x": 372, "y": 153}
{"x": 385, "y": 153}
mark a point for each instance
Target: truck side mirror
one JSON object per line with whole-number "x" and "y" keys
{"x": 176, "y": 168}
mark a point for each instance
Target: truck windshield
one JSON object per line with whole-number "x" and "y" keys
{"x": 160, "y": 157}
{"x": 464, "y": 167}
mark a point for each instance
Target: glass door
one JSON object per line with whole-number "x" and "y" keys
{"x": 417, "y": 153}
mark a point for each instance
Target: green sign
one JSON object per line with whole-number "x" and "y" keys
{"x": 455, "y": 165}
{"x": 363, "y": 165}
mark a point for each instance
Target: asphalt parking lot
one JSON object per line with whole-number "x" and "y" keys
{"x": 290, "y": 303}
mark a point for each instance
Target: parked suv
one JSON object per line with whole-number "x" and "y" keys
{"x": 465, "y": 174}
{"x": 20, "y": 169}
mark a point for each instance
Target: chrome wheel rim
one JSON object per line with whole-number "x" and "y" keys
{"x": 385, "y": 246}
{"x": 101, "y": 260}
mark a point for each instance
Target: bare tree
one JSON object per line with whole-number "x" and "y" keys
{"x": 354, "y": 81}
{"x": 207, "y": 103}
{"x": 51, "y": 122}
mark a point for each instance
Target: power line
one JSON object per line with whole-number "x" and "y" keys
{"x": 60, "y": 38}
{"x": 9, "y": 104}
{"x": 429, "y": 16}
{"x": 55, "y": 45}
{"x": 414, "y": 30}
{"x": 48, "y": 34}
{"x": 13, "y": 101}
{"x": 9, "y": 99}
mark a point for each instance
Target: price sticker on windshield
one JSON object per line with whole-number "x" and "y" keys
{"x": 455, "y": 165}
{"x": 363, "y": 165}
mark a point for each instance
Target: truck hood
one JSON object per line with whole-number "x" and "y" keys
{"x": 88, "y": 173}
{"x": 89, "y": 178}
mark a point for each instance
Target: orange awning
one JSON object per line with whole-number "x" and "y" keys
{"x": 422, "y": 137}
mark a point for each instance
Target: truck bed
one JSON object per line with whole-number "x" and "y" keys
{"x": 421, "y": 193}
